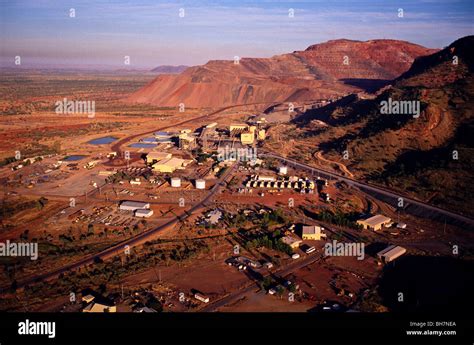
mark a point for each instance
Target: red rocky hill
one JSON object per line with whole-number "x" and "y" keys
{"x": 323, "y": 70}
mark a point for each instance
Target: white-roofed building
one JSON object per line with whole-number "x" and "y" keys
{"x": 391, "y": 253}
{"x": 156, "y": 156}
{"x": 313, "y": 232}
{"x": 293, "y": 242}
{"x": 133, "y": 205}
{"x": 143, "y": 213}
{"x": 374, "y": 223}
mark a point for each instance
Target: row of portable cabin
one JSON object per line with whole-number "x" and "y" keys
{"x": 280, "y": 184}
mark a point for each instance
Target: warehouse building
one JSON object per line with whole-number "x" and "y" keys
{"x": 313, "y": 232}
{"x": 374, "y": 223}
{"x": 186, "y": 140}
{"x": 266, "y": 178}
{"x": 156, "y": 156}
{"x": 236, "y": 128}
{"x": 133, "y": 205}
{"x": 143, "y": 213}
{"x": 293, "y": 242}
{"x": 247, "y": 138}
{"x": 391, "y": 253}
{"x": 169, "y": 165}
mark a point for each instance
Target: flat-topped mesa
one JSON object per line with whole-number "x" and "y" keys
{"x": 323, "y": 70}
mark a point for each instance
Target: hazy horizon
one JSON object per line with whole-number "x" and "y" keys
{"x": 102, "y": 33}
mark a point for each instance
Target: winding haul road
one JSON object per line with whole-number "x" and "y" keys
{"x": 412, "y": 206}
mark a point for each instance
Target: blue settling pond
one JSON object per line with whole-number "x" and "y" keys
{"x": 143, "y": 145}
{"x": 73, "y": 158}
{"x": 102, "y": 141}
{"x": 162, "y": 134}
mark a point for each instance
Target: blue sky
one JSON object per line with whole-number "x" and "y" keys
{"x": 152, "y": 32}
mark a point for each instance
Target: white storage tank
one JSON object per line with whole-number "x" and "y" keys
{"x": 200, "y": 184}
{"x": 175, "y": 182}
{"x": 283, "y": 170}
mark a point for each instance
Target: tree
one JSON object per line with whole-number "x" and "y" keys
{"x": 97, "y": 260}
{"x": 41, "y": 202}
{"x": 57, "y": 146}
{"x": 267, "y": 282}
{"x": 24, "y": 235}
{"x": 102, "y": 288}
{"x": 280, "y": 290}
{"x": 14, "y": 285}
